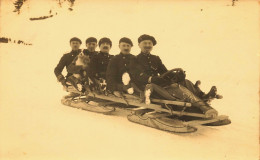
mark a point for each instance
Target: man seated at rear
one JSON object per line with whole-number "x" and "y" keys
{"x": 66, "y": 60}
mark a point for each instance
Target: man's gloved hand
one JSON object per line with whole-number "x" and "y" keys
{"x": 63, "y": 82}
{"x": 179, "y": 76}
{"x": 158, "y": 80}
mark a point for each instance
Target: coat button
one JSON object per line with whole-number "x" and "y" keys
{"x": 125, "y": 64}
{"x": 123, "y": 57}
{"x": 149, "y": 62}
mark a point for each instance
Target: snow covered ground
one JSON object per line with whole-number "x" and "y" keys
{"x": 213, "y": 42}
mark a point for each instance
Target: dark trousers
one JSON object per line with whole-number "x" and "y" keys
{"x": 191, "y": 87}
{"x": 169, "y": 94}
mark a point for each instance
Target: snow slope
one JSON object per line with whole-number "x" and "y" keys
{"x": 213, "y": 42}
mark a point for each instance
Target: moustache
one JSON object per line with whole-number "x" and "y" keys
{"x": 105, "y": 47}
{"x": 126, "y": 50}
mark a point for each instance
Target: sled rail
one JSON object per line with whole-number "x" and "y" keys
{"x": 155, "y": 107}
{"x": 163, "y": 101}
{"x": 185, "y": 104}
{"x": 201, "y": 122}
{"x": 151, "y": 106}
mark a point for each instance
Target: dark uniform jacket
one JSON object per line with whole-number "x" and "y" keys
{"x": 99, "y": 63}
{"x": 65, "y": 61}
{"x": 147, "y": 65}
{"x": 118, "y": 65}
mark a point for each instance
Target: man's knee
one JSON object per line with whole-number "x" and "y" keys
{"x": 188, "y": 82}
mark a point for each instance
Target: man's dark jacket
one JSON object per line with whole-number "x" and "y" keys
{"x": 99, "y": 63}
{"x": 147, "y": 65}
{"x": 65, "y": 61}
{"x": 118, "y": 65}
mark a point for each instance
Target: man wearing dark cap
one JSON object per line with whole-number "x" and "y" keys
{"x": 150, "y": 68}
{"x": 91, "y": 44}
{"x": 120, "y": 64}
{"x": 66, "y": 60}
{"x": 99, "y": 62}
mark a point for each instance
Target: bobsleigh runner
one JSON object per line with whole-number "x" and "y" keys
{"x": 179, "y": 116}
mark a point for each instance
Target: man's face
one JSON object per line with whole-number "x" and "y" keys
{"x": 146, "y": 46}
{"x": 75, "y": 45}
{"x": 91, "y": 46}
{"x": 105, "y": 47}
{"x": 125, "y": 48}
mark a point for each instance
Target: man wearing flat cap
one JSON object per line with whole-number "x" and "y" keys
{"x": 120, "y": 64}
{"x": 99, "y": 62}
{"x": 150, "y": 68}
{"x": 91, "y": 44}
{"x": 66, "y": 60}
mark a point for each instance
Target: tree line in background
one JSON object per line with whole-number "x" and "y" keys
{"x": 9, "y": 40}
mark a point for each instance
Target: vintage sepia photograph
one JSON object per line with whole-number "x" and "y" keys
{"x": 129, "y": 80}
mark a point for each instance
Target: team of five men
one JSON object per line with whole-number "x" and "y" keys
{"x": 143, "y": 69}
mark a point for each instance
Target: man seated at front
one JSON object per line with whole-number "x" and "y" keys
{"x": 150, "y": 69}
